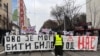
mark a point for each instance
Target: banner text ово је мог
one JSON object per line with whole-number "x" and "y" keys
{"x": 28, "y": 43}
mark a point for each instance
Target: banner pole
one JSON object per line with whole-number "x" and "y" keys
{"x": 41, "y": 52}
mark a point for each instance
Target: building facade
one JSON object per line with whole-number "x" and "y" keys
{"x": 22, "y": 15}
{"x": 23, "y": 20}
{"x": 93, "y": 13}
{"x": 5, "y": 14}
{"x": 5, "y": 17}
{"x": 21, "y": 10}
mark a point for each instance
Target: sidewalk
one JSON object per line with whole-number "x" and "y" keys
{"x": 85, "y": 53}
{"x": 1, "y": 48}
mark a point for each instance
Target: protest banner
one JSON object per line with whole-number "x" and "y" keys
{"x": 15, "y": 43}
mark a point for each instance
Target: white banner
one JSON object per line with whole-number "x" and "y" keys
{"x": 30, "y": 29}
{"x": 45, "y": 42}
{"x": 46, "y": 30}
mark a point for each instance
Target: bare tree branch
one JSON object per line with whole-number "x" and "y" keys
{"x": 67, "y": 11}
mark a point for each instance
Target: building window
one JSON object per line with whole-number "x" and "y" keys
{"x": 0, "y": 17}
{"x": 5, "y": 7}
{"x": 0, "y": 3}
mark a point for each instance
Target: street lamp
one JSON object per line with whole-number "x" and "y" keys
{"x": 7, "y": 16}
{"x": 64, "y": 22}
{"x": 6, "y": 9}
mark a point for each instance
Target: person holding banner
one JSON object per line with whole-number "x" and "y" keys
{"x": 58, "y": 44}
